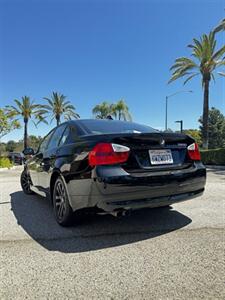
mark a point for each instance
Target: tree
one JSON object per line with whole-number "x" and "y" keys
{"x": 27, "y": 110}
{"x": 216, "y": 128}
{"x": 103, "y": 110}
{"x": 7, "y": 124}
{"x": 60, "y": 108}
{"x": 121, "y": 111}
{"x": 2, "y": 149}
{"x": 10, "y": 146}
{"x": 34, "y": 141}
{"x": 206, "y": 60}
{"x": 196, "y": 134}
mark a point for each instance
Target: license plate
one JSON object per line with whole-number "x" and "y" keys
{"x": 160, "y": 157}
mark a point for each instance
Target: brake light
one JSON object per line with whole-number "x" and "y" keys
{"x": 193, "y": 152}
{"x": 108, "y": 154}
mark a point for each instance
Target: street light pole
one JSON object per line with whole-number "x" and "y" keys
{"x": 166, "y": 112}
{"x": 167, "y": 97}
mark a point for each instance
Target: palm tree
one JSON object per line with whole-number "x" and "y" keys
{"x": 59, "y": 107}
{"x": 121, "y": 111}
{"x": 27, "y": 109}
{"x": 206, "y": 60}
{"x": 103, "y": 110}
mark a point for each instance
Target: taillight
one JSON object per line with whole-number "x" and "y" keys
{"x": 193, "y": 152}
{"x": 108, "y": 154}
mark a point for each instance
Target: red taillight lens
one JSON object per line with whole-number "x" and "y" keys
{"x": 108, "y": 154}
{"x": 193, "y": 152}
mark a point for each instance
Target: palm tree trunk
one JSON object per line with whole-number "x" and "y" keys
{"x": 205, "y": 133}
{"x": 57, "y": 120}
{"x": 25, "y": 133}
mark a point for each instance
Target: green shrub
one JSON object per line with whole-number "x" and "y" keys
{"x": 5, "y": 162}
{"x": 213, "y": 156}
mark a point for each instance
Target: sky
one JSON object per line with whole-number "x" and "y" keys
{"x": 95, "y": 50}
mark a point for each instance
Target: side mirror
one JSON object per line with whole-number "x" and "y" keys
{"x": 28, "y": 151}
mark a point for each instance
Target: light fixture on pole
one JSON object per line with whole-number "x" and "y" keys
{"x": 167, "y": 97}
{"x": 181, "y": 125}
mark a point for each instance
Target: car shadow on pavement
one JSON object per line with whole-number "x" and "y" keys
{"x": 35, "y": 215}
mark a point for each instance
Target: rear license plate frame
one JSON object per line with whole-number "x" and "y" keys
{"x": 161, "y": 157}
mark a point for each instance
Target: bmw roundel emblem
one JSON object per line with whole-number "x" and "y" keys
{"x": 162, "y": 142}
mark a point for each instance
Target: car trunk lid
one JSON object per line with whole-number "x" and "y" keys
{"x": 155, "y": 151}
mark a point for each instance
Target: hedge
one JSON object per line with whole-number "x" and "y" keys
{"x": 5, "y": 162}
{"x": 213, "y": 156}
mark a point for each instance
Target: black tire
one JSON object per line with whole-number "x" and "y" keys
{"x": 25, "y": 182}
{"x": 61, "y": 206}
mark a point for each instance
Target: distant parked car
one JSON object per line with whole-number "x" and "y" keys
{"x": 16, "y": 157}
{"x": 113, "y": 167}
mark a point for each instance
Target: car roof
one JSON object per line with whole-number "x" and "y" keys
{"x": 96, "y": 120}
{"x": 81, "y": 123}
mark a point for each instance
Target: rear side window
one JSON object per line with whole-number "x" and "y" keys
{"x": 56, "y": 137}
{"x": 45, "y": 141}
{"x": 70, "y": 135}
{"x": 64, "y": 137}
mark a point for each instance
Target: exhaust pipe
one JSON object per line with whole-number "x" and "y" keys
{"x": 118, "y": 213}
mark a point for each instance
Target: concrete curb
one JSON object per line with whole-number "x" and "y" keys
{"x": 5, "y": 169}
{"x": 12, "y": 168}
{"x": 215, "y": 167}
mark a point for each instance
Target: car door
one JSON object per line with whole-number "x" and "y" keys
{"x": 47, "y": 161}
{"x": 34, "y": 163}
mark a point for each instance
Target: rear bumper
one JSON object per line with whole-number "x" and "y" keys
{"x": 151, "y": 202}
{"x": 111, "y": 188}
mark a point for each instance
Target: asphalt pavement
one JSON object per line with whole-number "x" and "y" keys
{"x": 175, "y": 253}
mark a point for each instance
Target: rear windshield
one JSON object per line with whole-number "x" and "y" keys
{"x": 112, "y": 126}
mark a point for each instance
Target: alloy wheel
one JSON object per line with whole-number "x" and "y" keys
{"x": 60, "y": 200}
{"x": 26, "y": 182}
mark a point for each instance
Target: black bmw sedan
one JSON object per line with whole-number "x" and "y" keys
{"x": 111, "y": 166}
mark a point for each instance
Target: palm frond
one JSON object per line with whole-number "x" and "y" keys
{"x": 49, "y": 101}
{"x": 13, "y": 110}
{"x": 19, "y": 104}
{"x": 190, "y": 77}
{"x": 213, "y": 77}
{"x": 178, "y": 75}
{"x": 218, "y": 53}
{"x": 220, "y": 63}
{"x": 220, "y": 27}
